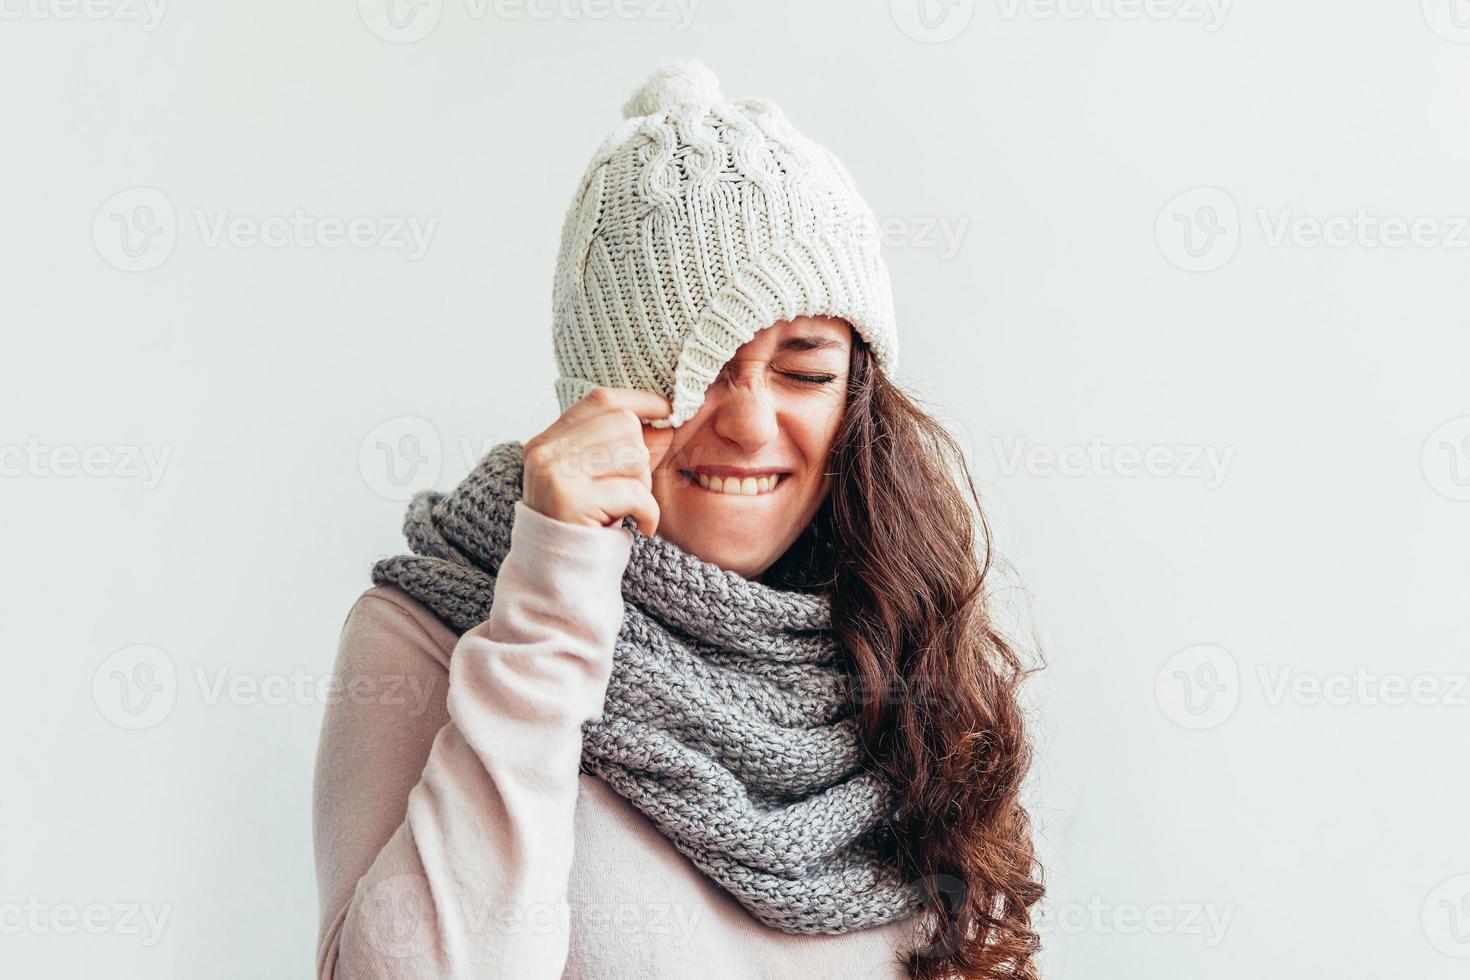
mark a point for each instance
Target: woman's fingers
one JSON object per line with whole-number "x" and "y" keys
{"x": 594, "y": 464}
{"x": 610, "y": 444}
{"x": 624, "y": 496}
{"x": 645, "y": 405}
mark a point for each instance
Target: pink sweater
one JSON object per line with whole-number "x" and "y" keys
{"x": 454, "y": 834}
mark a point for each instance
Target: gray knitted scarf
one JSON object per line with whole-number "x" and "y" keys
{"x": 726, "y": 720}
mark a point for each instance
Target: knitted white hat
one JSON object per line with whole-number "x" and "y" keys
{"x": 701, "y": 221}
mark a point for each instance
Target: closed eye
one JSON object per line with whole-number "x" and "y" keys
{"x": 814, "y": 379}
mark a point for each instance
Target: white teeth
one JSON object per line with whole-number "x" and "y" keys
{"x": 748, "y": 486}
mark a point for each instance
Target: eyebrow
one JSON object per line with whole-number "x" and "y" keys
{"x": 804, "y": 342}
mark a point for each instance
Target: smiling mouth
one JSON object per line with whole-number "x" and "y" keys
{"x": 750, "y": 486}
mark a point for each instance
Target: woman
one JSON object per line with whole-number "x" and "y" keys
{"x": 711, "y": 690}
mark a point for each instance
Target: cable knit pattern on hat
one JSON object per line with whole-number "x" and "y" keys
{"x": 700, "y": 221}
{"x": 726, "y": 719}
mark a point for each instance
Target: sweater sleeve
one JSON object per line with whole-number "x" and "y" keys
{"x": 467, "y": 876}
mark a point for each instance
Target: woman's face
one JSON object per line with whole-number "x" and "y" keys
{"x": 774, "y": 409}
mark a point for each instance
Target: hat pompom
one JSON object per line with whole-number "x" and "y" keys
{"x": 673, "y": 84}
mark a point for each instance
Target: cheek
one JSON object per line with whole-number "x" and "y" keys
{"x": 678, "y": 454}
{"x": 684, "y": 438}
{"x": 815, "y": 429}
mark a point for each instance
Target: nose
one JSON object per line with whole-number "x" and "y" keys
{"x": 745, "y": 410}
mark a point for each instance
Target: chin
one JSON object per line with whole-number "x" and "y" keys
{"x": 724, "y": 549}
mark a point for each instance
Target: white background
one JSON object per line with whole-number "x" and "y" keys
{"x": 1081, "y": 307}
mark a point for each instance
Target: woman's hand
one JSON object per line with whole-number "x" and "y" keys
{"x": 594, "y": 465}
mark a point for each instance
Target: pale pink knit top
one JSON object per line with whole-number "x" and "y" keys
{"x": 454, "y": 834}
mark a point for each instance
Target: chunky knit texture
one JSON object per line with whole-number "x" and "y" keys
{"x": 700, "y": 221}
{"x": 726, "y": 720}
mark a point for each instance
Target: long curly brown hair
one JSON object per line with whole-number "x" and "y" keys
{"x": 934, "y": 683}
